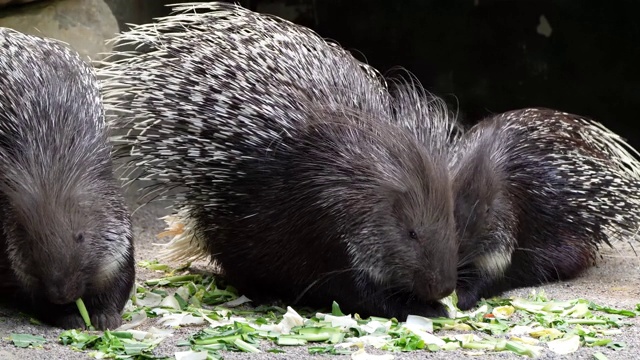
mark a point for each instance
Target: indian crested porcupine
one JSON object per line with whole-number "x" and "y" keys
{"x": 286, "y": 160}
{"x": 66, "y": 233}
{"x": 537, "y": 193}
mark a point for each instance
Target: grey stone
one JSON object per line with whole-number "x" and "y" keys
{"x": 85, "y": 25}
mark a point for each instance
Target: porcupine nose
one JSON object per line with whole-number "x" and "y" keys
{"x": 437, "y": 291}
{"x": 63, "y": 290}
{"x": 445, "y": 284}
{"x": 444, "y": 291}
{"x": 438, "y": 288}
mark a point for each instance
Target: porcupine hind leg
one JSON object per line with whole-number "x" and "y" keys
{"x": 478, "y": 280}
{"x": 564, "y": 258}
{"x": 484, "y": 263}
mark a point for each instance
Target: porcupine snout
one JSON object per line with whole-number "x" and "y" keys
{"x": 62, "y": 262}
{"x": 439, "y": 271}
{"x": 63, "y": 288}
{"x": 64, "y": 292}
{"x": 441, "y": 285}
{"x": 447, "y": 272}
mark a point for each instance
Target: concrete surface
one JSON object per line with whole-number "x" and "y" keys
{"x": 615, "y": 282}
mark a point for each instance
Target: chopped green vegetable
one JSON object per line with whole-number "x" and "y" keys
{"x": 119, "y": 344}
{"x": 609, "y": 310}
{"x": 565, "y": 345}
{"x": 616, "y": 345}
{"x": 154, "y": 265}
{"x": 84, "y": 313}
{"x": 27, "y": 340}
{"x": 526, "y": 326}
{"x": 599, "y": 356}
{"x": 172, "y": 280}
{"x": 522, "y": 348}
{"x": 245, "y": 346}
{"x": 330, "y": 349}
{"x": 335, "y": 309}
{"x": 290, "y": 341}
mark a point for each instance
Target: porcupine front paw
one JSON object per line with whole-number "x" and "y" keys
{"x": 67, "y": 321}
{"x": 469, "y": 287}
{"x": 105, "y": 311}
{"x": 100, "y": 320}
{"x": 102, "y": 313}
{"x": 468, "y": 297}
{"x": 61, "y": 316}
{"x": 106, "y": 320}
{"x": 432, "y": 309}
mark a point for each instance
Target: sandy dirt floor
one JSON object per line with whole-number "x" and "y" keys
{"x": 615, "y": 282}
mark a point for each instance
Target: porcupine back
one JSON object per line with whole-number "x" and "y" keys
{"x": 227, "y": 71}
{"x": 538, "y": 192}
{"x": 66, "y": 231}
{"x": 238, "y": 110}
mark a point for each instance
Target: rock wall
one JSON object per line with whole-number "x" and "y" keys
{"x": 84, "y": 25}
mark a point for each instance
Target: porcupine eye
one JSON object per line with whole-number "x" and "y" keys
{"x": 413, "y": 235}
{"x": 80, "y": 238}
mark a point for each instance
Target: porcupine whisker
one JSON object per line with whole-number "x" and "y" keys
{"x": 533, "y": 251}
{"x": 147, "y": 198}
{"x": 464, "y": 272}
{"x": 468, "y": 257}
{"x": 323, "y": 278}
{"x": 466, "y": 224}
{"x": 328, "y": 275}
{"x": 158, "y": 191}
{"x": 632, "y": 236}
{"x": 389, "y": 294}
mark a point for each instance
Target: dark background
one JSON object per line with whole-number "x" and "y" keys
{"x": 486, "y": 56}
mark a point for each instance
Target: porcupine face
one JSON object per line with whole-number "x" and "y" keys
{"x": 476, "y": 188}
{"x": 405, "y": 241}
{"x": 67, "y": 246}
{"x": 482, "y": 211}
{"x": 66, "y": 226}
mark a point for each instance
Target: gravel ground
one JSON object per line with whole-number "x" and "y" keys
{"x": 615, "y": 282}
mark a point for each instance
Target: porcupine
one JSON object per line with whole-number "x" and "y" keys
{"x": 66, "y": 231}
{"x": 538, "y": 192}
{"x": 285, "y": 161}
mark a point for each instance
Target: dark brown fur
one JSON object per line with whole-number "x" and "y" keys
{"x": 290, "y": 157}
{"x": 331, "y": 219}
